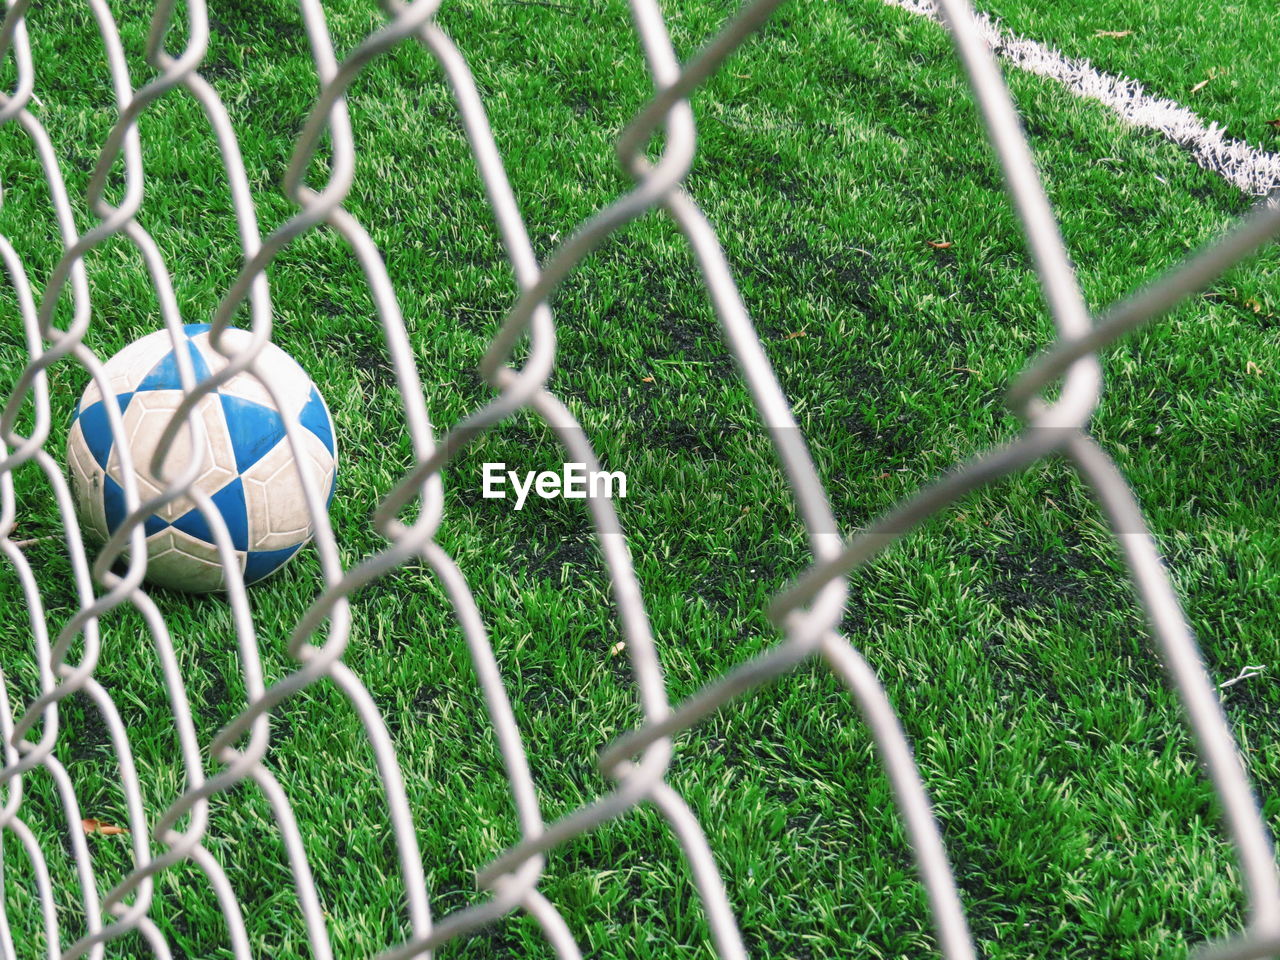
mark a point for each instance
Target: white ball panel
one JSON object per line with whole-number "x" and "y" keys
{"x": 91, "y": 395}
{"x": 322, "y": 466}
{"x": 185, "y": 563}
{"x": 277, "y": 507}
{"x": 289, "y": 379}
{"x": 130, "y": 366}
{"x": 321, "y": 458}
{"x": 86, "y": 484}
{"x": 144, "y": 422}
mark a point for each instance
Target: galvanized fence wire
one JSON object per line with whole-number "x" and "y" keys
{"x": 807, "y": 613}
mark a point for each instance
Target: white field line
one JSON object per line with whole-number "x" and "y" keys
{"x": 1252, "y": 170}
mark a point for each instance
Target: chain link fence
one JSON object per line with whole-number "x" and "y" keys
{"x": 807, "y": 614}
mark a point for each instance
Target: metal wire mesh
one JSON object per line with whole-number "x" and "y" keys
{"x": 807, "y": 614}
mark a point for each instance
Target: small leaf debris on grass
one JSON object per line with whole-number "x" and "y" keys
{"x": 93, "y": 825}
{"x": 1113, "y": 34}
{"x": 798, "y": 333}
{"x": 1273, "y": 124}
{"x": 1205, "y": 82}
{"x": 1257, "y": 308}
{"x": 1251, "y": 367}
{"x": 939, "y": 244}
{"x": 648, "y": 379}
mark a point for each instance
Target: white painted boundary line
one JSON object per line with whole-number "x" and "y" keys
{"x": 1252, "y": 170}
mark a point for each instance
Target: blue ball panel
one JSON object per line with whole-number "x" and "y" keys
{"x": 97, "y": 428}
{"x": 316, "y": 419}
{"x": 262, "y": 563}
{"x": 230, "y": 503}
{"x": 254, "y": 429}
{"x": 113, "y": 503}
{"x": 164, "y": 375}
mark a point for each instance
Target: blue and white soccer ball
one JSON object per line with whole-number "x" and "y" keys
{"x": 250, "y": 471}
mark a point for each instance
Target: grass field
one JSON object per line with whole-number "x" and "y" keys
{"x": 1202, "y": 55}
{"x": 832, "y": 149}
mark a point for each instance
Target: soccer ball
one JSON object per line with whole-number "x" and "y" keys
{"x": 249, "y": 467}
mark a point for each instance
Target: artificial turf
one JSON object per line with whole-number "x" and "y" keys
{"x": 833, "y": 149}
{"x": 1200, "y": 55}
